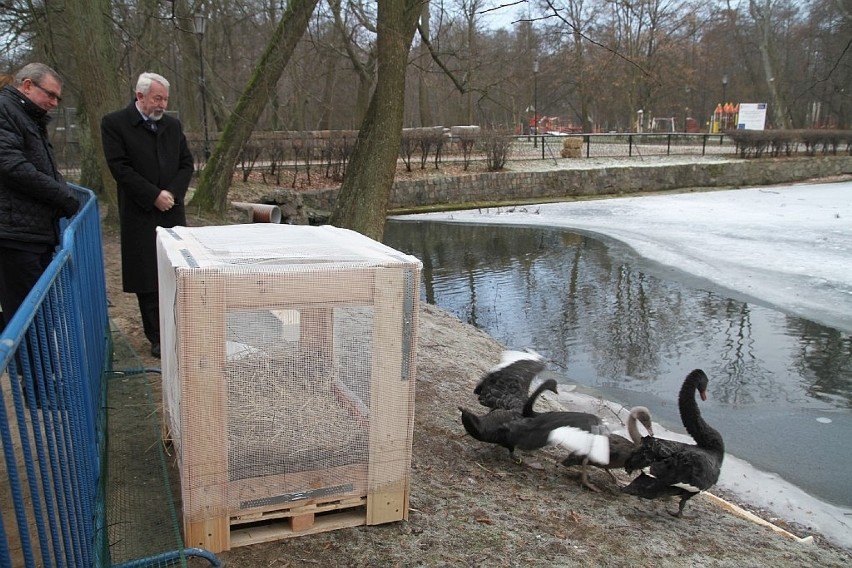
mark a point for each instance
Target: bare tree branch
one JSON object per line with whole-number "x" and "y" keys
{"x": 590, "y": 40}
{"x": 461, "y": 86}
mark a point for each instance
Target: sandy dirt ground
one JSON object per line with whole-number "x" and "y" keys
{"x": 470, "y": 505}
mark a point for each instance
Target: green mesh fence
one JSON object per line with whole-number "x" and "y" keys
{"x": 141, "y": 515}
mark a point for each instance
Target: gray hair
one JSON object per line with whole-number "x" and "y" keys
{"x": 35, "y": 72}
{"x": 143, "y": 85}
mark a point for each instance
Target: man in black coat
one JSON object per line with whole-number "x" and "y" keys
{"x": 33, "y": 194}
{"x": 148, "y": 156}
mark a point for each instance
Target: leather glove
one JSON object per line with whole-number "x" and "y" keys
{"x": 70, "y": 206}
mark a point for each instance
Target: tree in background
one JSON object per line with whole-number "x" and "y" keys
{"x": 93, "y": 48}
{"x": 216, "y": 177}
{"x": 763, "y": 12}
{"x": 600, "y": 62}
{"x": 362, "y": 203}
{"x": 424, "y": 65}
{"x": 353, "y": 28}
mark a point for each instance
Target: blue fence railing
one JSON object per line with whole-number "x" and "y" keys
{"x": 54, "y": 351}
{"x": 56, "y": 355}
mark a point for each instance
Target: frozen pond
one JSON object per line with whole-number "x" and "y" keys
{"x": 753, "y": 286}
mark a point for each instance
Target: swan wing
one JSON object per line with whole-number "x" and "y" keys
{"x": 650, "y": 487}
{"x": 692, "y": 469}
{"x": 489, "y": 428}
{"x": 581, "y": 442}
{"x": 652, "y": 450}
{"x": 507, "y": 384}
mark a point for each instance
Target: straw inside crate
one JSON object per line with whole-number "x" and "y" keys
{"x": 293, "y": 410}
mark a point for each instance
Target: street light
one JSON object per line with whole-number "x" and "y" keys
{"x": 535, "y": 102}
{"x": 200, "y": 27}
{"x": 723, "y": 117}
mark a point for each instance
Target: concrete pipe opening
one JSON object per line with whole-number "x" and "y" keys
{"x": 262, "y": 212}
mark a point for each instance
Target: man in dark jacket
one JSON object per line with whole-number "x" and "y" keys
{"x": 33, "y": 194}
{"x": 148, "y": 156}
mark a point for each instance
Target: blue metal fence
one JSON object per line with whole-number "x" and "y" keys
{"x": 54, "y": 351}
{"x": 56, "y": 355}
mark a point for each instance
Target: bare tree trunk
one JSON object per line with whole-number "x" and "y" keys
{"x": 362, "y": 203}
{"x": 425, "y": 62}
{"x": 365, "y": 69}
{"x": 327, "y": 104}
{"x": 365, "y": 88}
{"x": 575, "y": 13}
{"x": 216, "y": 177}
{"x": 761, "y": 12}
{"x": 99, "y": 93}
{"x": 471, "y": 46}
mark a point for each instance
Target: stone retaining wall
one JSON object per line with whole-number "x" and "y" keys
{"x": 631, "y": 177}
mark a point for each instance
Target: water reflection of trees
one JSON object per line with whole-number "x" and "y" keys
{"x": 564, "y": 294}
{"x": 740, "y": 374}
{"x": 561, "y": 289}
{"x": 824, "y": 361}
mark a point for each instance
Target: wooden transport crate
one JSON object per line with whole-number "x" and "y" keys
{"x": 288, "y": 360}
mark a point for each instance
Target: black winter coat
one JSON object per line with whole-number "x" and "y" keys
{"x": 33, "y": 194}
{"x": 143, "y": 163}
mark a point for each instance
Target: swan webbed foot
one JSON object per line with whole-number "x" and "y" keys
{"x": 584, "y": 481}
{"x": 679, "y": 513}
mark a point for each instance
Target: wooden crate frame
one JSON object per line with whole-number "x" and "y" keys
{"x": 216, "y": 517}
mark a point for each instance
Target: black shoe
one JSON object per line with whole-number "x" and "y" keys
{"x": 155, "y": 350}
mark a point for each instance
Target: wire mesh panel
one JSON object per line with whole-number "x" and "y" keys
{"x": 288, "y": 371}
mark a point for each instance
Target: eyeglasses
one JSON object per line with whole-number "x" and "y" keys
{"x": 53, "y": 96}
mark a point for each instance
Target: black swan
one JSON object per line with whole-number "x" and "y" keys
{"x": 505, "y": 390}
{"x": 620, "y": 448}
{"x": 496, "y": 426}
{"x": 678, "y": 469}
{"x": 512, "y": 422}
{"x": 507, "y": 384}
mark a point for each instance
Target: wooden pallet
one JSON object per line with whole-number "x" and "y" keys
{"x": 225, "y": 533}
{"x": 298, "y": 521}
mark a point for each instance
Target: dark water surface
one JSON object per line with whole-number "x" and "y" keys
{"x": 780, "y": 386}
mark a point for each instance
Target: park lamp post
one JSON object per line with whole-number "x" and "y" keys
{"x": 723, "y": 118}
{"x": 200, "y": 22}
{"x": 535, "y": 102}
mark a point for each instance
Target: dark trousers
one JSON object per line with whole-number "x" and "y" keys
{"x": 19, "y": 271}
{"x": 149, "y": 307}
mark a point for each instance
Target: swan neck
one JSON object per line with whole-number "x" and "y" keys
{"x": 530, "y": 403}
{"x": 690, "y": 415}
{"x": 633, "y": 429}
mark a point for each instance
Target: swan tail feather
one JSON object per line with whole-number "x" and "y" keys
{"x": 578, "y": 441}
{"x": 507, "y": 358}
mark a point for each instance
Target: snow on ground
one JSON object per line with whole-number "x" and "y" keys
{"x": 786, "y": 246}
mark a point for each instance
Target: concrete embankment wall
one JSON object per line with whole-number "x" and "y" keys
{"x": 631, "y": 177}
